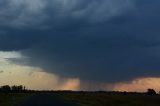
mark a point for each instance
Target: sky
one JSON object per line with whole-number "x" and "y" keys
{"x": 80, "y": 44}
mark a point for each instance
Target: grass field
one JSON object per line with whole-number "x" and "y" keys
{"x": 87, "y": 99}
{"x": 103, "y": 99}
{"x": 13, "y": 99}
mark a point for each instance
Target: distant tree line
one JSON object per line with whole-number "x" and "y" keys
{"x": 15, "y": 88}
{"x": 21, "y": 89}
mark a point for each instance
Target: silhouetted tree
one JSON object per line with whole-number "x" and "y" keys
{"x": 125, "y": 93}
{"x": 18, "y": 88}
{"x": 151, "y": 92}
{"x": 5, "y": 88}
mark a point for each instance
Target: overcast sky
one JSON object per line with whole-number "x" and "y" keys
{"x": 105, "y": 41}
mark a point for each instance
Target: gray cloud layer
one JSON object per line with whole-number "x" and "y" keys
{"x": 23, "y": 13}
{"x": 90, "y": 39}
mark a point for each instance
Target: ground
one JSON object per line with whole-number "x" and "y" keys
{"x": 78, "y": 99}
{"x": 105, "y": 99}
{"x": 13, "y": 99}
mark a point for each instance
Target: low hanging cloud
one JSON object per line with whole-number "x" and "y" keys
{"x": 94, "y": 40}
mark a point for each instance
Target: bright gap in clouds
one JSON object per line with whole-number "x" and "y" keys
{"x": 140, "y": 85}
{"x": 31, "y": 77}
{"x": 12, "y": 54}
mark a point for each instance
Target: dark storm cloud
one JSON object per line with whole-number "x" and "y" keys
{"x": 102, "y": 40}
{"x": 27, "y": 13}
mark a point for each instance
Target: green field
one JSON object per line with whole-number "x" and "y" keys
{"x": 104, "y": 99}
{"x": 13, "y": 99}
{"x": 87, "y": 99}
